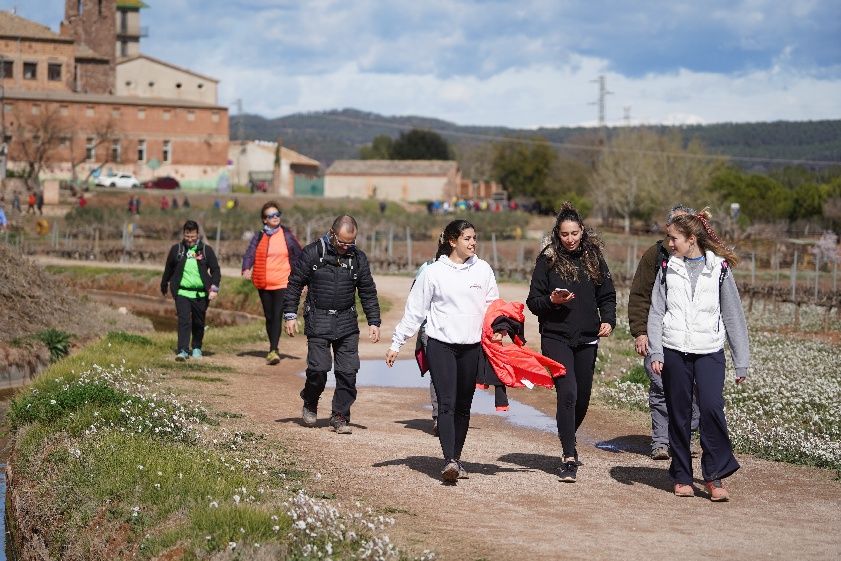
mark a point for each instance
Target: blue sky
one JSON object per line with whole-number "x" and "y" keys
{"x": 525, "y": 63}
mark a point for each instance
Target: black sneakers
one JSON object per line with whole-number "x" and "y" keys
{"x": 340, "y": 425}
{"x": 568, "y": 471}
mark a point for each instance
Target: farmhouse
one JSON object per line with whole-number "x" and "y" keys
{"x": 393, "y": 180}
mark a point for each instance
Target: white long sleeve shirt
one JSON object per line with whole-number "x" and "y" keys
{"x": 453, "y": 298}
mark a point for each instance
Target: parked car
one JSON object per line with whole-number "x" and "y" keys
{"x": 165, "y": 182}
{"x": 120, "y": 180}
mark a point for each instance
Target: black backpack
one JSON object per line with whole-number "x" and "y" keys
{"x": 350, "y": 264}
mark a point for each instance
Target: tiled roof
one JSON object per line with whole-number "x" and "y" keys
{"x": 392, "y": 167}
{"x": 136, "y": 4}
{"x": 12, "y": 25}
{"x": 286, "y": 154}
{"x": 73, "y": 97}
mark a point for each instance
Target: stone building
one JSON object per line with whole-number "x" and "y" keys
{"x": 393, "y": 180}
{"x": 281, "y": 171}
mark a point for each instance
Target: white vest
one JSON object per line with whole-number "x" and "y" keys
{"x": 693, "y": 324}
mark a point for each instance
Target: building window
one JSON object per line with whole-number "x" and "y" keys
{"x": 191, "y": 115}
{"x": 64, "y": 110}
{"x": 100, "y": 7}
{"x": 141, "y": 113}
{"x": 167, "y": 152}
{"x": 36, "y": 109}
{"x": 54, "y": 71}
{"x": 89, "y": 112}
{"x": 116, "y": 152}
{"x": 7, "y": 69}
{"x": 200, "y": 85}
{"x": 8, "y": 107}
{"x": 115, "y": 112}
{"x": 178, "y": 85}
{"x": 90, "y": 149}
{"x": 128, "y": 83}
{"x": 30, "y": 70}
{"x": 166, "y": 115}
{"x": 141, "y": 150}
{"x": 65, "y": 141}
{"x": 79, "y": 6}
{"x": 214, "y": 116}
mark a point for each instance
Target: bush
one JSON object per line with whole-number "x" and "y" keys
{"x": 636, "y": 375}
{"x": 58, "y": 342}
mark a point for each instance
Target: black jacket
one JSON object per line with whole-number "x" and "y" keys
{"x": 577, "y": 321}
{"x": 329, "y": 310}
{"x": 209, "y": 270}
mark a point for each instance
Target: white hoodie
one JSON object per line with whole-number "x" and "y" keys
{"x": 453, "y": 298}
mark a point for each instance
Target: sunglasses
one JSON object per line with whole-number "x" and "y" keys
{"x": 272, "y": 215}
{"x": 344, "y": 244}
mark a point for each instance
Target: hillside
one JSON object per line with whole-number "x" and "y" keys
{"x": 332, "y": 135}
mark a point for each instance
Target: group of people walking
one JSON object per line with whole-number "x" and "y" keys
{"x": 682, "y": 308}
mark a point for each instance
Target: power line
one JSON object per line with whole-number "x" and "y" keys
{"x": 603, "y": 93}
{"x": 572, "y": 146}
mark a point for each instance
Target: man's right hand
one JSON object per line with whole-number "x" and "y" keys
{"x": 291, "y": 327}
{"x": 246, "y": 274}
{"x": 641, "y": 345}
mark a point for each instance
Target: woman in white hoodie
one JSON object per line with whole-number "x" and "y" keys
{"x": 452, "y": 294}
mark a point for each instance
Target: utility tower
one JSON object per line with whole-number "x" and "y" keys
{"x": 603, "y": 93}
{"x": 627, "y": 115}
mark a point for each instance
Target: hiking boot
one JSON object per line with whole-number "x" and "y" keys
{"x": 462, "y": 473}
{"x": 339, "y": 424}
{"x": 272, "y": 358}
{"x": 450, "y": 472}
{"x": 182, "y": 356}
{"x": 197, "y": 353}
{"x": 568, "y": 471}
{"x": 659, "y": 453}
{"x": 684, "y": 490}
{"x": 717, "y": 491}
{"x": 308, "y": 416}
{"x": 435, "y": 426}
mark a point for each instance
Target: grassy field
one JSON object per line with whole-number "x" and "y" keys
{"x": 110, "y": 463}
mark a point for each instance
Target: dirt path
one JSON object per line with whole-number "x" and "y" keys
{"x": 513, "y": 506}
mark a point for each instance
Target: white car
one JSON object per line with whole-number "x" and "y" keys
{"x": 121, "y": 181}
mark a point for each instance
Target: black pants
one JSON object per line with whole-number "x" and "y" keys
{"x": 319, "y": 362}
{"x": 272, "y": 301}
{"x": 453, "y": 369}
{"x": 682, "y": 372}
{"x": 573, "y": 390}
{"x": 191, "y": 313}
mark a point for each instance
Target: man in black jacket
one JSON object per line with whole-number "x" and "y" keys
{"x": 333, "y": 269}
{"x": 192, "y": 276}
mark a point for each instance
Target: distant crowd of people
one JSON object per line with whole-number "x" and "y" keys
{"x": 475, "y": 205}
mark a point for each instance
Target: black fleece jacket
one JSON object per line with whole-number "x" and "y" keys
{"x": 576, "y": 322}
{"x": 209, "y": 270}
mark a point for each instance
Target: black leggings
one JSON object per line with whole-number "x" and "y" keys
{"x": 272, "y": 301}
{"x": 573, "y": 390}
{"x": 453, "y": 369}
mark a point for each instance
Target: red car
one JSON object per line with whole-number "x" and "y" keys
{"x": 165, "y": 182}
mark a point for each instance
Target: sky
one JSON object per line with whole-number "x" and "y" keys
{"x": 516, "y": 63}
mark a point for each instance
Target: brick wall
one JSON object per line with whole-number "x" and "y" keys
{"x": 42, "y": 54}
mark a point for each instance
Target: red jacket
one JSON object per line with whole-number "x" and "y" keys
{"x": 513, "y": 363}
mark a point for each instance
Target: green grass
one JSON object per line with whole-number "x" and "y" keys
{"x": 209, "y": 379}
{"x": 636, "y": 375}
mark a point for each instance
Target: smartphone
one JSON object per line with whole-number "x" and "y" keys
{"x": 563, "y": 292}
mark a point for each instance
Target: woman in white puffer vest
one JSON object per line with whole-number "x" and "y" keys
{"x": 695, "y": 307}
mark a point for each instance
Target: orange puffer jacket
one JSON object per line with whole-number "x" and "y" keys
{"x": 514, "y": 363}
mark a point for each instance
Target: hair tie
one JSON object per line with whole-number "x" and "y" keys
{"x": 710, "y": 232}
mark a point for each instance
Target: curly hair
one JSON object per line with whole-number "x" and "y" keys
{"x": 590, "y": 248}
{"x": 698, "y": 225}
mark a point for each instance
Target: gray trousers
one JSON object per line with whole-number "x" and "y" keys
{"x": 659, "y": 411}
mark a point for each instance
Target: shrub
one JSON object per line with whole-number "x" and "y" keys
{"x": 58, "y": 342}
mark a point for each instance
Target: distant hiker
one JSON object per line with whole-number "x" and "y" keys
{"x": 186, "y": 203}
{"x": 16, "y": 202}
{"x": 131, "y": 205}
{"x": 83, "y": 202}
{"x": 30, "y": 201}
{"x": 39, "y": 202}
{"x": 639, "y": 303}
{"x": 572, "y": 295}
{"x": 4, "y": 222}
{"x": 174, "y": 203}
{"x": 695, "y": 306}
{"x": 164, "y": 203}
{"x": 457, "y": 285}
{"x": 137, "y": 204}
{"x": 270, "y": 258}
{"x": 192, "y": 276}
{"x": 334, "y": 269}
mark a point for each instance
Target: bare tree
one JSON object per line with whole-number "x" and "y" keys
{"x": 39, "y": 135}
{"x": 104, "y": 132}
{"x": 641, "y": 171}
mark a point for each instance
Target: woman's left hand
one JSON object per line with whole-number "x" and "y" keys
{"x": 497, "y": 336}
{"x": 605, "y": 330}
